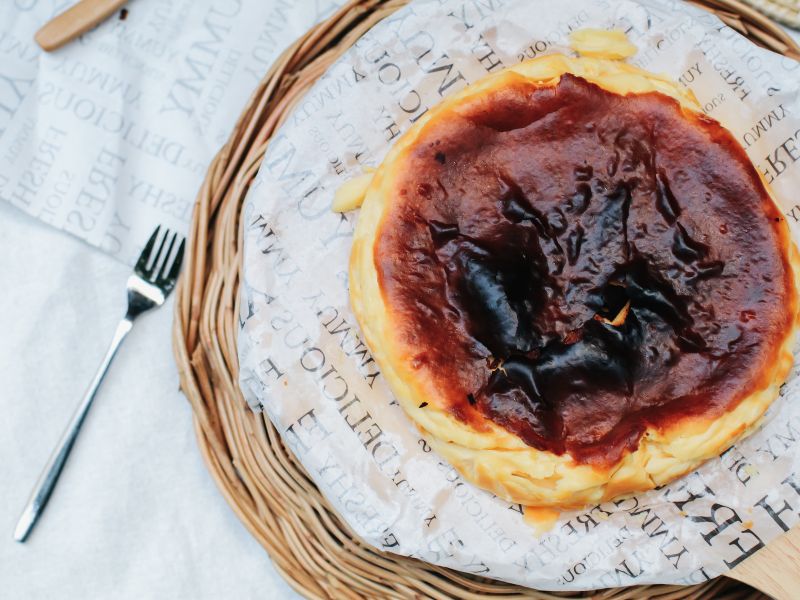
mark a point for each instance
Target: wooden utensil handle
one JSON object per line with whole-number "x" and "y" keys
{"x": 775, "y": 569}
{"x": 75, "y": 21}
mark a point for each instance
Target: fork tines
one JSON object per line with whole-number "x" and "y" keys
{"x": 161, "y": 265}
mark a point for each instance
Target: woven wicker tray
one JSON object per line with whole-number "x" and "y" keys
{"x": 267, "y": 488}
{"x": 785, "y": 11}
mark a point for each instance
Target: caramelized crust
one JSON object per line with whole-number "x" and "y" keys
{"x": 526, "y": 220}
{"x": 576, "y": 285}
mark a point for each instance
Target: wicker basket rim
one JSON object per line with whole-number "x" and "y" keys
{"x": 260, "y": 479}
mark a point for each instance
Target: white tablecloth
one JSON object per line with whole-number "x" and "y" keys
{"x": 151, "y": 97}
{"x": 136, "y": 515}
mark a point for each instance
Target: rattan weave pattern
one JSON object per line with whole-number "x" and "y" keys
{"x": 258, "y": 476}
{"x": 785, "y": 11}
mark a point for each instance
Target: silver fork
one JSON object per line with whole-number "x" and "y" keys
{"x": 152, "y": 280}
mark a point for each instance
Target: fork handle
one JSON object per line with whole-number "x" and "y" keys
{"x": 52, "y": 470}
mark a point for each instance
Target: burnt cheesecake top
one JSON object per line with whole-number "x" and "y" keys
{"x": 576, "y": 265}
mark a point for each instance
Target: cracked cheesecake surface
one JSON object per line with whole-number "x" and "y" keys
{"x": 523, "y": 224}
{"x": 577, "y": 285}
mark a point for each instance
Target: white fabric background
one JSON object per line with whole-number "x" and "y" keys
{"x": 135, "y": 515}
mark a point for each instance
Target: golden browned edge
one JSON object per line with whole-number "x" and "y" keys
{"x": 259, "y": 478}
{"x": 490, "y": 456}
